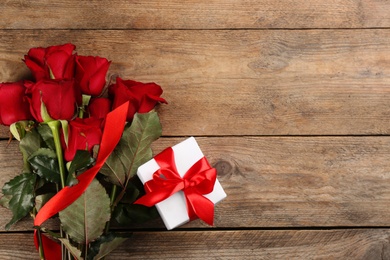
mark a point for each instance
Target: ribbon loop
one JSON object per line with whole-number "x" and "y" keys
{"x": 198, "y": 181}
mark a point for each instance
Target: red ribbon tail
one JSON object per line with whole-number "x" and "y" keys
{"x": 51, "y": 249}
{"x": 201, "y": 207}
{"x": 147, "y": 200}
{"x": 157, "y": 194}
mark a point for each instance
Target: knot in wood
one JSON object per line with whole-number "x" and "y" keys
{"x": 223, "y": 167}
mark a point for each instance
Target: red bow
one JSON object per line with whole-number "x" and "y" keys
{"x": 196, "y": 182}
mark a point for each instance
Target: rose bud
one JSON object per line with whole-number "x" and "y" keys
{"x": 14, "y": 104}
{"x": 54, "y": 62}
{"x": 99, "y": 107}
{"x": 84, "y": 134}
{"x": 59, "y": 98}
{"x": 91, "y": 74}
{"x": 143, "y": 97}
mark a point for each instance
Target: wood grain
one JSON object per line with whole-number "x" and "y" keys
{"x": 339, "y": 244}
{"x": 194, "y": 14}
{"x": 289, "y": 100}
{"x": 245, "y": 82}
{"x": 245, "y": 244}
{"x": 282, "y": 181}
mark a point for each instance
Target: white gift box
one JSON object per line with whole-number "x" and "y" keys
{"x": 173, "y": 210}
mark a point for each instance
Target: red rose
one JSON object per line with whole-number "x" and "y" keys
{"x": 99, "y": 107}
{"x": 84, "y": 134}
{"x": 59, "y": 96}
{"x": 91, "y": 74}
{"x": 54, "y": 62}
{"x": 143, "y": 97}
{"x": 14, "y": 104}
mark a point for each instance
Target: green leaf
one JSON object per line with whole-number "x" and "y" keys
{"x": 71, "y": 180}
{"x": 84, "y": 220}
{"x": 29, "y": 145}
{"x": 81, "y": 161}
{"x": 105, "y": 244}
{"x": 133, "y": 149}
{"x": 44, "y": 114}
{"x": 131, "y": 194}
{"x": 126, "y": 214}
{"x": 40, "y": 200}
{"x": 51, "y": 74}
{"x": 18, "y": 129}
{"x": 76, "y": 253}
{"x": 20, "y": 190}
{"x": 45, "y": 164}
{"x": 15, "y": 131}
{"x": 47, "y": 135}
{"x": 65, "y": 130}
{"x": 4, "y": 201}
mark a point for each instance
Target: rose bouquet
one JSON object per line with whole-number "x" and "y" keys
{"x": 82, "y": 138}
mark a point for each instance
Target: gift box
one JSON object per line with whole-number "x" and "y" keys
{"x": 174, "y": 209}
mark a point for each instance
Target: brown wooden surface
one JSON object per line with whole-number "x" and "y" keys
{"x": 289, "y": 100}
{"x": 285, "y": 181}
{"x": 193, "y": 14}
{"x": 245, "y": 82}
{"x": 245, "y": 244}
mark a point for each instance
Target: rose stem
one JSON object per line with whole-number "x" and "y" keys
{"x": 41, "y": 253}
{"x": 40, "y": 244}
{"x": 55, "y": 129}
{"x": 112, "y": 200}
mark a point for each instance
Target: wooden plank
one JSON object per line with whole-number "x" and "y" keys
{"x": 339, "y": 244}
{"x": 194, "y": 14}
{"x": 283, "y": 82}
{"x": 283, "y": 181}
{"x": 248, "y": 244}
{"x": 17, "y": 246}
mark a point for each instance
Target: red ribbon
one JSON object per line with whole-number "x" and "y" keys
{"x": 113, "y": 129}
{"x": 196, "y": 182}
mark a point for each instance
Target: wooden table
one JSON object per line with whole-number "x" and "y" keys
{"x": 289, "y": 100}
